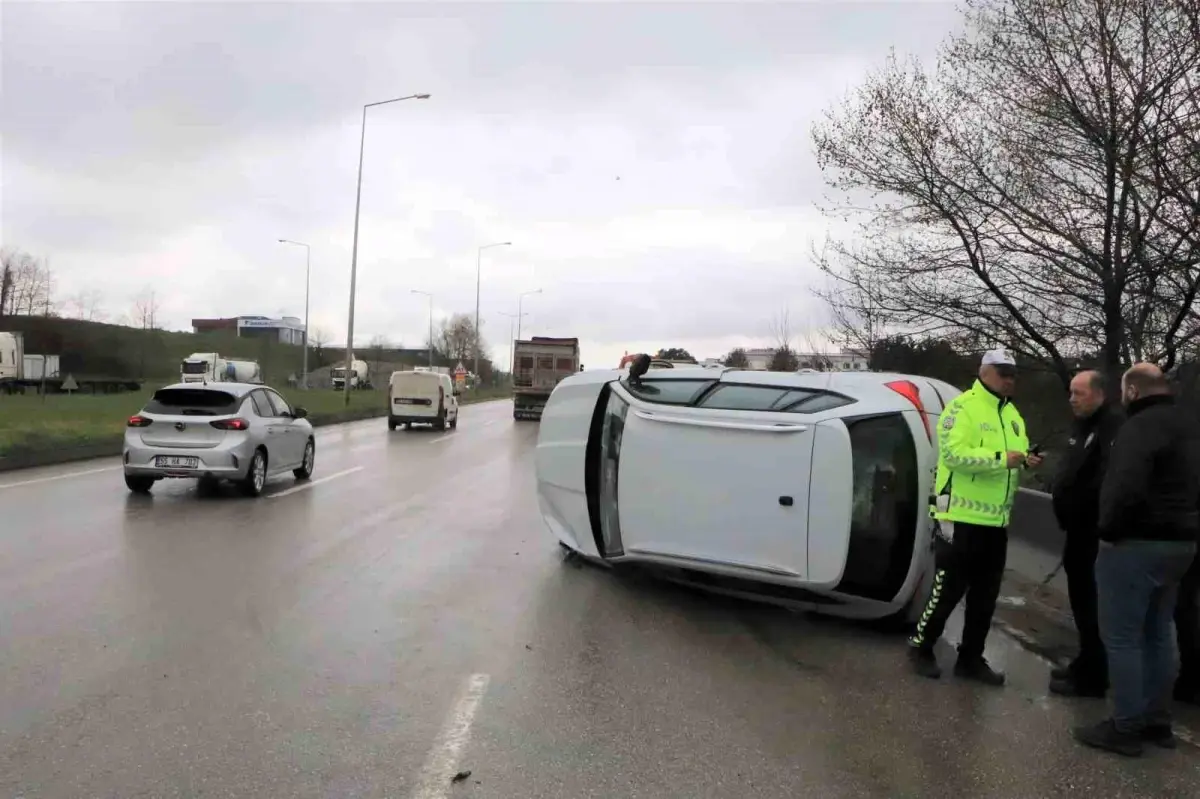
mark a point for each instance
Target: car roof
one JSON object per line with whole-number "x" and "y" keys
{"x": 868, "y": 388}
{"x": 236, "y": 389}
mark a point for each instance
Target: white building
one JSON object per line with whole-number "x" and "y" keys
{"x": 760, "y": 359}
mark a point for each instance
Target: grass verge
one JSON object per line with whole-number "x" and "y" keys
{"x": 59, "y": 422}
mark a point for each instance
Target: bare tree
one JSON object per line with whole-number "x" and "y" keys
{"x": 781, "y": 329}
{"x": 85, "y": 305}
{"x": 1039, "y": 187}
{"x": 456, "y": 338}
{"x": 26, "y": 284}
{"x": 145, "y": 310}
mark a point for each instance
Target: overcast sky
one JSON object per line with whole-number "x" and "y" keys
{"x": 650, "y": 163}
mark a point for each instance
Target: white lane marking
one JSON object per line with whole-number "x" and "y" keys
{"x": 52, "y": 478}
{"x": 311, "y": 483}
{"x": 443, "y": 437}
{"x": 442, "y": 763}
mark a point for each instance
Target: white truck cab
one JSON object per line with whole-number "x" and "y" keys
{"x": 422, "y": 397}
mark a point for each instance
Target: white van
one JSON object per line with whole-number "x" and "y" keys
{"x": 423, "y": 398}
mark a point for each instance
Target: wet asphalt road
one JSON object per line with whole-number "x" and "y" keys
{"x": 377, "y": 632}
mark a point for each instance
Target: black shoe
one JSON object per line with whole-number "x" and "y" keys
{"x": 979, "y": 671}
{"x": 925, "y": 663}
{"x": 1160, "y": 735}
{"x": 1106, "y": 736}
{"x": 1067, "y": 686}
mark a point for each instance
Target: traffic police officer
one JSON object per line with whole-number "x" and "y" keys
{"x": 982, "y": 446}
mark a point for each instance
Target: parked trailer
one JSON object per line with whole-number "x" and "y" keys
{"x": 539, "y": 364}
{"x": 21, "y": 371}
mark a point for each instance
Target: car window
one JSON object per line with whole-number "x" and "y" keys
{"x": 770, "y": 398}
{"x": 815, "y": 402}
{"x": 192, "y": 402}
{"x": 262, "y": 406}
{"x": 279, "y": 404}
{"x": 885, "y": 510}
{"x": 667, "y": 392}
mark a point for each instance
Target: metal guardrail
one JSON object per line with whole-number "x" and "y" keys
{"x": 1033, "y": 522}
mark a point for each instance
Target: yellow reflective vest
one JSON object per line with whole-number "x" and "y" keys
{"x": 975, "y": 433}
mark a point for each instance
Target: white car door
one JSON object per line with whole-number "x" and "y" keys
{"x": 715, "y": 484}
{"x": 287, "y": 437}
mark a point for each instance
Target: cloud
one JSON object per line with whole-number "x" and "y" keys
{"x": 650, "y": 163}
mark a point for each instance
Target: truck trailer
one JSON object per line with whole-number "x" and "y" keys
{"x": 539, "y": 363}
{"x": 21, "y": 371}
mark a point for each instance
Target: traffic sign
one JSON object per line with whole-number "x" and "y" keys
{"x": 460, "y": 370}
{"x": 69, "y": 384}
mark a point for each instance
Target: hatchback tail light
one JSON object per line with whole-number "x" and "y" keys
{"x": 231, "y": 424}
{"x": 138, "y": 421}
{"x": 908, "y": 389}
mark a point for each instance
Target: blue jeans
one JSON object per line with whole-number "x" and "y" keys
{"x": 1137, "y": 582}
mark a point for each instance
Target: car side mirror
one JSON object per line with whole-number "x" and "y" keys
{"x": 299, "y": 413}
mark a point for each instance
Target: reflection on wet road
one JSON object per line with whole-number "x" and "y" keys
{"x": 406, "y": 617}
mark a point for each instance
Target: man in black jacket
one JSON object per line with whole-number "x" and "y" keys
{"x": 1149, "y": 529}
{"x": 1077, "y": 509}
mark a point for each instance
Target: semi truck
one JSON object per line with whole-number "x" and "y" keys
{"x": 539, "y": 363}
{"x": 21, "y": 371}
{"x": 360, "y": 375}
{"x": 211, "y": 367}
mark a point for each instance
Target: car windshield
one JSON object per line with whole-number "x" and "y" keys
{"x": 195, "y": 367}
{"x": 192, "y": 402}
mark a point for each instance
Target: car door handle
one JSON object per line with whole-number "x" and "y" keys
{"x": 756, "y": 427}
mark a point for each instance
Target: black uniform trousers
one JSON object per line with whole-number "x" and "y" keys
{"x": 1090, "y": 668}
{"x": 1187, "y": 630}
{"x": 972, "y": 565}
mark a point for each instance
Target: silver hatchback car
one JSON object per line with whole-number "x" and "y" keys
{"x": 217, "y": 431}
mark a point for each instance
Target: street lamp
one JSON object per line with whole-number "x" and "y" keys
{"x": 512, "y": 341}
{"x": 307, "y": 284}
{"x": 430, "y": 344}
{"x": 520, "y": 299}
{"x": 478, "y": 264}
{"x": 362, "y": 140}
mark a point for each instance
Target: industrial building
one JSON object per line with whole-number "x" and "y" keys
{"x": 286, "y": 330}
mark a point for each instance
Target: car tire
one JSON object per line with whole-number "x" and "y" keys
{"x": 305, "y": 471}
{"x": 139, "y": 484}
{"x": 256, "y": 476}
{"x": 440, "y": 424}
{"x": 454, "y": 422}
{"x": 408, "y": 425}
{"x": 391, "y": 424}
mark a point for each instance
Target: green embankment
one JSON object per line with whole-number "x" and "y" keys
{"x": 31, "y": 423}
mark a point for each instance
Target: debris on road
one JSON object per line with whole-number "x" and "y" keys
{"x": 460, "y": 776}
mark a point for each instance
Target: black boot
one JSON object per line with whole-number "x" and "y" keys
{"x": 1106, "y": 736}
{"x": 925, "y": 663}
{"x": 979, "y": 670}
{"x": 1160, "y": 735}
{"x": 1072, "y": 685}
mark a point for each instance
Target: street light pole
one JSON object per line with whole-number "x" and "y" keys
{"x": 520, "y": 299}
{"x": 362, "y": 140}
{"x": 512, "y": 340}
{"x": 478, "y": 274}
{"x": 429, "y": 346}
{"x": 307, "y": 286}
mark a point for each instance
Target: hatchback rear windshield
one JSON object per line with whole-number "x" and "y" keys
{"x": 192, "y": 402}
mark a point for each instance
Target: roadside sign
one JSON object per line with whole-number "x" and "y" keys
{"x": 460, "y": 369}
{"x": 69, "y": 384}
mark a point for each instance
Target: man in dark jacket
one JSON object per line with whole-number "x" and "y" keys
{"x": 1149, "y": 529}
{"x": 1077, "y": 509}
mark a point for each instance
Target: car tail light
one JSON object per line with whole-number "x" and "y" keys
{"x": 908, "y": 389}
{"x": 138, "y": 421}
{"x": 231, "y": 424}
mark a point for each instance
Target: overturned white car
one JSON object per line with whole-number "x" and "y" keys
{"x": 808, "y": 489}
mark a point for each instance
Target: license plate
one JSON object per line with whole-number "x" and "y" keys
{"x": 407, "y": 401}
{"x": 175, "y": 462}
